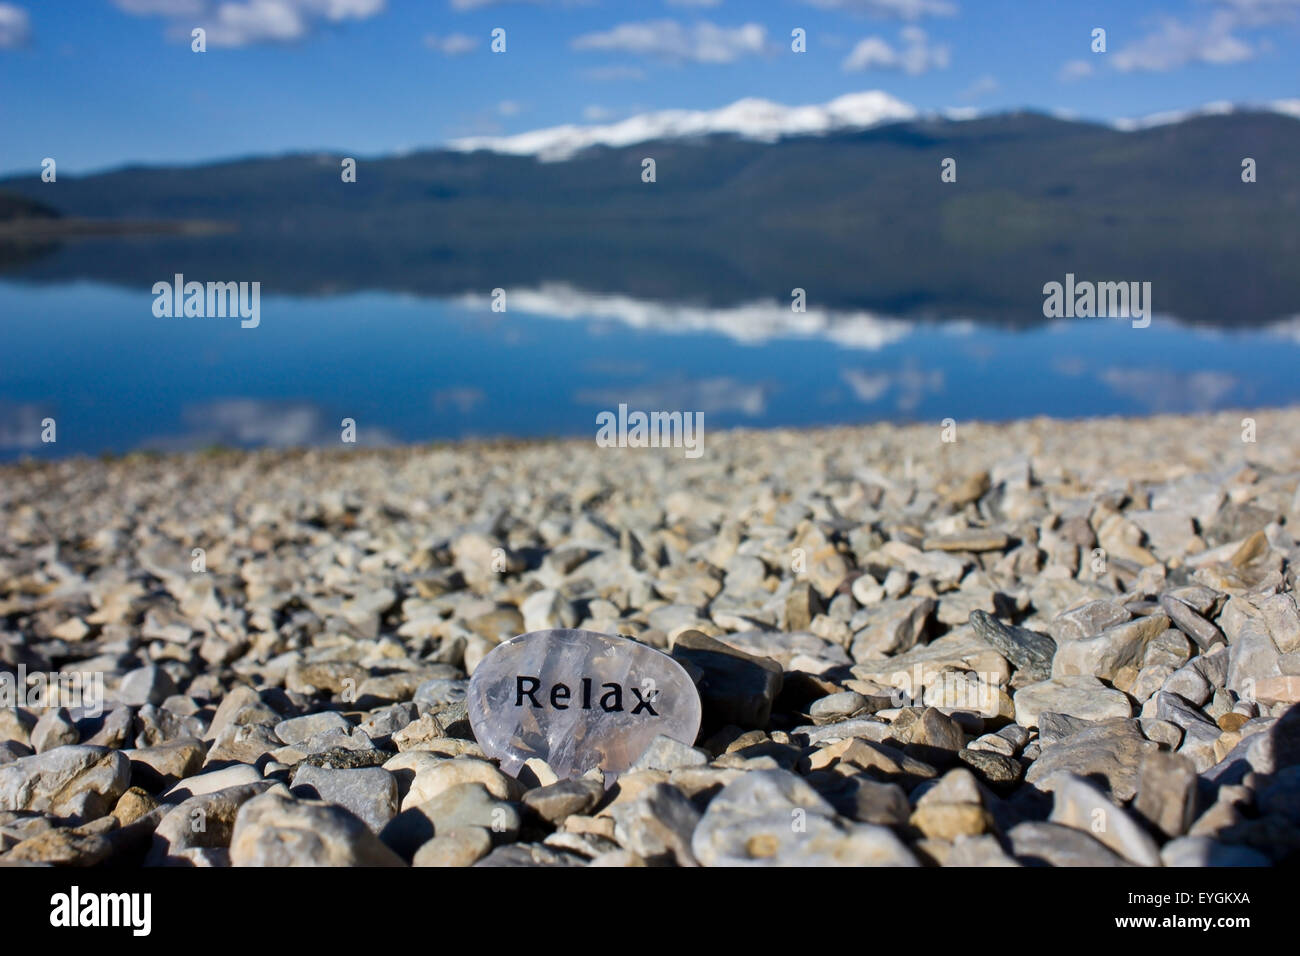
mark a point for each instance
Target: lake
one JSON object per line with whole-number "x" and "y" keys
{"x": 115, "y": 378}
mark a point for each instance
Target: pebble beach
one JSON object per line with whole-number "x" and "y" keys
{"x": 1034, "y": 643}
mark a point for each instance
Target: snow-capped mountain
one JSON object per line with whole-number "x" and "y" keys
{"x": 749, "y": 118}
{"x": 766, "y": 121}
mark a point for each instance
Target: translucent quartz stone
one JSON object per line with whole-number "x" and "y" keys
{"x": 578, "y": 700}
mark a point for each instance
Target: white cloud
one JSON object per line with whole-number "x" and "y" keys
{"x": 454, "y": 44}
{"x": 254, "y": 422}
{"x": 750, "y": 322}
{"x": 235, "y": 23}
{"x": 983, "y": 86}
{"x": 1261, "y": 12}
{"x": 1176, "y": 44}
{"x": 15, "y": 27}
{"x": 509, "y": 108}
{"x": 911, "y": 384}
{"x": 463, "y": 399}
{"x": 604, "y": 74}
{"x": 597, "y": 114}
{"x": 1074, "y": 70}
{"x": 915, "y": 54}
{"x": 1165, "y": 390}
{"x": 755, "y": 119}
{"x": 891, "y": 9}
{"x": 20, "y": 423}
{"x": 161, "y": 8}
{"x": 702, "y": 42}
{"x": 710, "y": 396}
{"x": 1212, "y": 39}
{"x": 463, "y": 5}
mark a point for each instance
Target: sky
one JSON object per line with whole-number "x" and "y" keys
{"x": 98, "y": 84}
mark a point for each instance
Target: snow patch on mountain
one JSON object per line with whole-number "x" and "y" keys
{"x": 766, "y": 121}
{"x": 751, "y": 118}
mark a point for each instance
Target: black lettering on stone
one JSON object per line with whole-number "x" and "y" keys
{"x": 617, "y": 694}
{"x": 521, "y": 693}
{"x": 559, "y": 692}
{"x": 643, "y": 704}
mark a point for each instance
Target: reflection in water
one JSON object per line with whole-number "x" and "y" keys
{"x": 406, "y": 369}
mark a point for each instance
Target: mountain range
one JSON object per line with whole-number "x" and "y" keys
{"x": 844, "y": 201}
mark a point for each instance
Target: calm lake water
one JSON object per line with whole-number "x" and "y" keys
{"x": 115, "y": 378}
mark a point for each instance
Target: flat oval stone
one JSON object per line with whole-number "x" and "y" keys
{"x": 580, "y": 701}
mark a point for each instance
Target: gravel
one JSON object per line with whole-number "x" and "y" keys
{"x": 1047, "y": 643}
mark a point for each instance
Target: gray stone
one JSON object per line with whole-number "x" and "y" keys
{"x": 1188, "y": 683}
{"x": 273, "y": 829}
{"x": 385, "y": 722}
{"x": 1282, "y": 619}
{"x": 1027, "y": 651}
{"x": 978, "y": 851}
{"x": 657, "y": 824}
{"x": 1111, "y": 752}
{"x": 1087, "y": 619}
{"x": 1077, "y": 695}
{"x": 1054, "y": 727}
{"x": 1202, "y": 851}
{"x": 529, "y": 854}
{"x": 212, "y": 781}
{"x": 463, "y": 847}
{"x": 1078, "y": 804}
{"x": 838, "y": 706}
{"x": 369, "y": 792}
{"x": 1252, "y": 656}
{"x": 147, "y": 685}
{"x": 871, "y": 729}
{"x": 1001, "y": 773}
{"x": 863, "y": 799}
{"x": 203, "y": 821}
{"x": 1171, "y": 650}
{"x": 563, "y": 799}
{"x": 434, "y": 695}
{"x": 54, "y": 729}
{"x": 1052, "y": 844}
{"x": 890, "y": 627}
{"x": 1166, "y": 796}
{"x": 735, "y": 687}
{"x": 299, "y": 729}
{"x": 76, "y": 783}
{"x": 1205, "y": 634}
{"x": 1109, "y": 651}
{"x": 750, "y": 824}
{"x": 464, "y": 805}
{"x": 161, "y": 767}
{"x": 116, "y": 731}
{"x": 667, "y": 754}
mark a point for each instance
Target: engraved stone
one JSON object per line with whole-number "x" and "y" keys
{"x": 579, "y": 700}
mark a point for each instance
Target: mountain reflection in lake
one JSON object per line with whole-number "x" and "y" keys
{"x": 115, "y": 378}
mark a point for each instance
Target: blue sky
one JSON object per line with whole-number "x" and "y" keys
{"x": 100, "y": 83}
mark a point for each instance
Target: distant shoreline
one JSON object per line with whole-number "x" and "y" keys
{"x": 60, "y": 228}
{"x": 1066, "y": 436}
